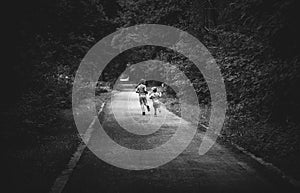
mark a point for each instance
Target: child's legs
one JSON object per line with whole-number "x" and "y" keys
{"x": 155, "y": 106}
{"x": 159, "y": 107}
{"x": 145, "y": 101}
{"x": 155, "y": 111}
{"x": 142, "y": 103}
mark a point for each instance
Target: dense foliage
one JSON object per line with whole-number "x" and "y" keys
{"x": 255, "y": 42}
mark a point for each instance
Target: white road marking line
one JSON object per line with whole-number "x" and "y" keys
{"x": 63, "y": 178}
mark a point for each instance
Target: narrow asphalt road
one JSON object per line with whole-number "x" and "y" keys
{"x": 222, "y": 169}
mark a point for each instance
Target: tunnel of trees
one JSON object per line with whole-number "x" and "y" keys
{"x": 255, "y": 43}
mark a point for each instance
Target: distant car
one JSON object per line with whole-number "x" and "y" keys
{"x": 124, "y": 79}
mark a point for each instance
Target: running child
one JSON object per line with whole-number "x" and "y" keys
{"x": 141, "y": 89}
{"x": 155, "y": 95}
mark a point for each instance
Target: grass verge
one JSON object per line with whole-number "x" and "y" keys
{"x": 34, "y": 159}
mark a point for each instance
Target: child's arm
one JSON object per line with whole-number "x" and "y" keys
{"x": 137, "y": 89}
{"x": 145, "y": 90}
{"x": 151, "y": 95}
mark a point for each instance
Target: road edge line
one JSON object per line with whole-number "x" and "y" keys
{"x": 270, "y": 166}
{"x": 62, "y": 179}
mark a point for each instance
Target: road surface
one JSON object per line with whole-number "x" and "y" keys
{"x": 222, "y": 169}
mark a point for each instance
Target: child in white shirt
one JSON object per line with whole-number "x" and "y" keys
{"x": 155, "y": 95}
{"x": 141, "y": 89}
